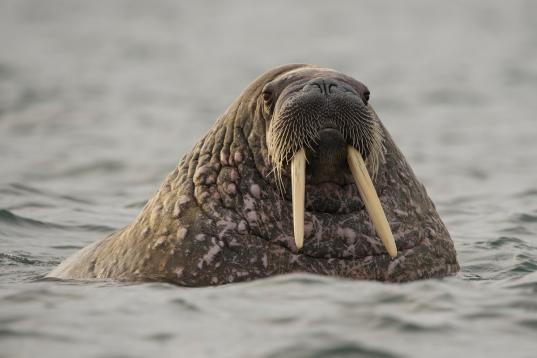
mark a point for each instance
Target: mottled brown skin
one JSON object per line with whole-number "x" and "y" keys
{"x": 219, "y": 217}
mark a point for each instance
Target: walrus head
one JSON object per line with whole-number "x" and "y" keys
{"x": 298, "y": 175}
{"x": 321, "y": 117}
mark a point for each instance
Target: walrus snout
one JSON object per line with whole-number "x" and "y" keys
{"x": 330, "y": 87}
{"x": 323, "y": 130}
{"x": 322, "y": 115}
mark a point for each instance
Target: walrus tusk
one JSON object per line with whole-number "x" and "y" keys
{"x": 371, "y": 200}
{"x": 298, "y": 187}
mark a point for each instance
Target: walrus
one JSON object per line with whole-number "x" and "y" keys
{"x": 298, "y": 175}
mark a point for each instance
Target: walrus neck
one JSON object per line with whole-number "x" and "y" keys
{"x": 229, "y": 189}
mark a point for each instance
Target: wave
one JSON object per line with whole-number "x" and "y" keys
{"x": 24, "y": 259}
{"x": 18, "y": 189}
{"x": 9, "y": 218}
{"x": 336, "y": 349}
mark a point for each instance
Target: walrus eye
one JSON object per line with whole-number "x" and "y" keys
{"x": 267, "y": 98}
{"x": 366, "y": 97}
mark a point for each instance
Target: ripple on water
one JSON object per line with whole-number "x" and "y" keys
{"x": 18, "y": 189}
{"x": 40, "y": 295}
{"x": 185, "y": 304}
{"x": 527, "y": 282}
{"x": 7, "y": 217}
{"x": 66, "y": 247}
{"x": 160, "y": 337}
{"x": 331, "y": 350}
{"x": 416, "y": 324}
{"x": 526, "y": 218}
{"x": 528, "y": 323}
{"x": 22, "y": 258}
{"x": 526, "y": 193}
{"x": 517, "y": 230}
{"x": 34, "y": 334}
{"x": 503, "y": 241}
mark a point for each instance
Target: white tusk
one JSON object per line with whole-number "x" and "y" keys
{"x": 298, "y": 187}
{"x": 371, "y": 200}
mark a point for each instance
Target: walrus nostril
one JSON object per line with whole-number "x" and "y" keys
{"x": 319, "y": 87}
{"x": 330, "y": 86}
{"x": 325, "y": 86}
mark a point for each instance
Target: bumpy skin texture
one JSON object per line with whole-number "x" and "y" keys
{"x": 219, "y": 217}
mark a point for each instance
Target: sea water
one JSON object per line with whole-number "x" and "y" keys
{"x": 99, "y": 100}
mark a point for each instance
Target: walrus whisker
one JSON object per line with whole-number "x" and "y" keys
{"x": 291, "y": 132}
{"x": 287, "y": 136}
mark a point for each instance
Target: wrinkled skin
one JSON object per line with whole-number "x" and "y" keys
{"x": 220, "y": 217}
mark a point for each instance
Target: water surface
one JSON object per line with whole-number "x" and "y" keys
{"x": 100, "y": 99}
